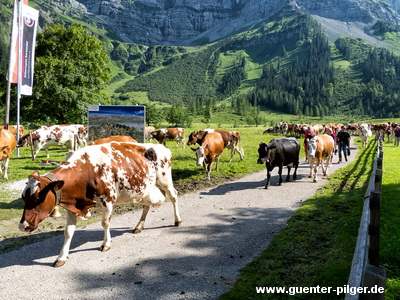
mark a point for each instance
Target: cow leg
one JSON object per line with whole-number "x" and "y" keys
{"x": 208, "y": 170}
{"x": 296, "y": 165}
{"x": 232, "y": 148}
{"x": 268, "y": 179}
{"x": 315, "y": 171}
{"x": 327, "y": 162}
{"x": 55, "y": 213}
{"x": 47, "y": 152}
{"x": 72, "y": 219}
{"x": 183, "y": 143}
{"x": 5, "y": 168}
{"x": 288, "y": 174}
{"x": 241, "y": 152}
{"x": 107, "y": 209}
{"x": 37, "y": 149}
{"x": 311, "y": 167}
{"x": 280, "y": 175}
{"x": 139, "y": 227}
{"x": 165, "y": 184}
{"x": 216, "y": 162}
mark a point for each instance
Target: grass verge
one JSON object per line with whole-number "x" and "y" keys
{"x": 390, "y": 220}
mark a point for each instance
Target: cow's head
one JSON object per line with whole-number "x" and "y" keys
{"x": 312, "y": 147}
{"x": 264, "y": 152}
{"x": 200, "y": 154}
{"x": 193, "y": 137}
{"x": 39, "y": 196}
{"x": 83, "y": 133}
{"x": 23, "y": 141}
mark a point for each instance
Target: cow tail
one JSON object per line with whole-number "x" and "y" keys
{"x": 151, "y": 154}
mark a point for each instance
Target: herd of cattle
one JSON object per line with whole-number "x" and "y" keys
{"x": 119, "y": 170}
{"x": 298, "y": 130}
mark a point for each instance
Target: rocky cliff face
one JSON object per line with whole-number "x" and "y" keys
{"x": 182, "y": 22}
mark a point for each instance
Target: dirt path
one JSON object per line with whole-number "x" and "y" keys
{"x": 223, "y": 229}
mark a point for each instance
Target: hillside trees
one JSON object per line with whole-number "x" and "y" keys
{"x": 71, "y": 71}
{"x": 304, "y": 87}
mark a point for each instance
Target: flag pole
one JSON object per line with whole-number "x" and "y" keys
{"x": 10, "y": 66}
{"x": 19, "y": 68}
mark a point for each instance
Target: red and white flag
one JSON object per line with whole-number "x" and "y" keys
{"x": 13, "y": 74}
{"x": 25, "y": 37}
{"x": 28, "y": 27}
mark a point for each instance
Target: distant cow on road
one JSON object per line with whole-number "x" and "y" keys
{"x": 320, "y": 150}
{"x": 279, "y": 152}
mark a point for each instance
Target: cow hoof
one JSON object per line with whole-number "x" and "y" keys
{"x": 178, "y": 223}
{"x": 59, "y": 263}
{"x": 55, "y": 214}
{"x": 104, "y": 248}
{"x": 314, "y": 180}
{"x": 266, "y": 187}
{"x": 309, "y": 176}
{"x": 137, "y": 230}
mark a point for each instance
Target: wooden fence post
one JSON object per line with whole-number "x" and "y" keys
{"x": 374, "y": 230}
{"x": 31, "y": 142}
{"x": 378, "y": 180}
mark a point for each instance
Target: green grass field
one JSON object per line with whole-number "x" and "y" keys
{"x": 390, "y": 220}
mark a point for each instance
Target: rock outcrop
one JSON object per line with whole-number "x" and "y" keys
{"x": 185, "y": 22}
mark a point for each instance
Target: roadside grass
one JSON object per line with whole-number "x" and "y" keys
{"x": 317, "y": 245}
{"x": 390, "y": 220}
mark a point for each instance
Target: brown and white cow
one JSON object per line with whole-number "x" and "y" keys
{"x": 210, "y": 150}
{"x": 147, "y": 132}
{"x": 366, "y": 134}
{"x": 114, "y": 138}
{"x": 7, "y": 146}
{"x": 231, "y": 140}
{"x": 13, "y": 129}
{"x": 169, "y": 134}
{"x": 71, "y": 136}
{"x": 320, "y": 151}
{"x": 106, "y": 175}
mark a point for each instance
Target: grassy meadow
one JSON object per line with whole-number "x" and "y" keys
{"x": 390, "y": 220}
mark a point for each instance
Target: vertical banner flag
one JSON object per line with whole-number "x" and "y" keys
{"x": 28, "y": 27}
{"x": 13, "y": 64}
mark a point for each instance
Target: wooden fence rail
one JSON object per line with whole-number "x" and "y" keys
{"x": 365, "y": 271}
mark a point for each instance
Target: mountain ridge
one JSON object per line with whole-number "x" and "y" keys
{"x": 188, "y": 22}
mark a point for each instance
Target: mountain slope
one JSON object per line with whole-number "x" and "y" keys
{"x": 276, "y": 60}
{"x": 185, "y": 22}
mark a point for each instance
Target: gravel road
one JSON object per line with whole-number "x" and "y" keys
{"x": 223, "y": 229}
